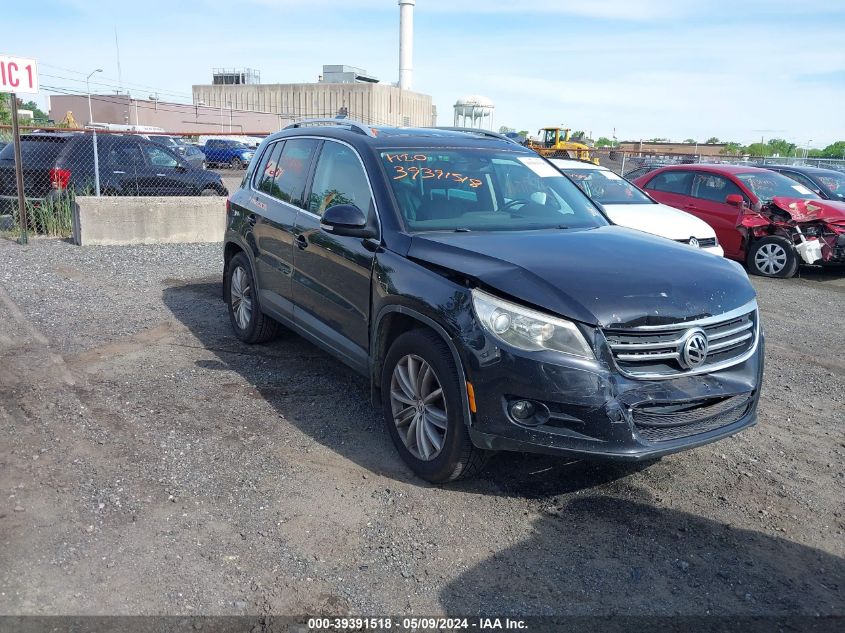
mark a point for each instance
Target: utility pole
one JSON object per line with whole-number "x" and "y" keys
{"x": 94, "y": 135}
{"x": 16, "y": 139}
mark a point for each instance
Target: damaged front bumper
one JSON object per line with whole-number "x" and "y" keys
{"x": 588, "y": 409}
{"x": 815, "y": 228}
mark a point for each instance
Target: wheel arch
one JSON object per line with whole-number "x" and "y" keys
{"x": 393, "y": 321}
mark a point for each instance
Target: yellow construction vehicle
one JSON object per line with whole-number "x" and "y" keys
{"x": 555, "y": 143}
{"x": 69, "y": 121}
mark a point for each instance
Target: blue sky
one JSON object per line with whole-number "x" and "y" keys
{"x": 738, "y": 70}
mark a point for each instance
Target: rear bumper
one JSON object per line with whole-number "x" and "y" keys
{"x": 590, "y": 410}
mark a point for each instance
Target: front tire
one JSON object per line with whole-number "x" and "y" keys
{"x": 236, "y": 163}
{"x": 248, "y": 322}
{"x": 423, "y": 410}
{"x": 773, "y": 256}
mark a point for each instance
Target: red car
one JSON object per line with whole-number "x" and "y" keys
{"x": 762, "y": 218}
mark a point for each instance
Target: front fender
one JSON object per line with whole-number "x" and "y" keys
{"x": 401, "y": 286}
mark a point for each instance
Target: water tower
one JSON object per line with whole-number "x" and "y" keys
{"x": 474, "y": 111}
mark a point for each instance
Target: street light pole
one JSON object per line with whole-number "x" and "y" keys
{"x": 94, "y": 135}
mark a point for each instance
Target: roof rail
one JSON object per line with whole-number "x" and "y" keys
{"x": 355, "y": 126}
{"x": 476, "y": 131}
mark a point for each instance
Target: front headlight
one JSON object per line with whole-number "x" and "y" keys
{"x": 527, "y": 329}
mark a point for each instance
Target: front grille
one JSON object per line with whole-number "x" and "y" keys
{"x": 660, "y": 423}
{"x": 703, "y": 242}
{"x": 658, "y": 351}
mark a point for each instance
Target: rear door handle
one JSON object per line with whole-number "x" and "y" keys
{"x": 118, "y": 172}
{"x": 301, "y": 242}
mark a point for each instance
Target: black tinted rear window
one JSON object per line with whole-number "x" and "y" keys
{"x": 36, "y": 150}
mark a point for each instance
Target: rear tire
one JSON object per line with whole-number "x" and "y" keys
{"x": 248, "y": 322}
{"x": 416, "y": 363}
{"x": 772, "y": 256}
{"x": 210, "y": 191}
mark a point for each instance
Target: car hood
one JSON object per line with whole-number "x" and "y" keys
{"x": 604, "y": 276}
{"x": 659, "y": 219}
{"x": 803, "y": 210}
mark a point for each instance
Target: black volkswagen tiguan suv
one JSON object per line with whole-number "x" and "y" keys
{"x": 490, "y": 303}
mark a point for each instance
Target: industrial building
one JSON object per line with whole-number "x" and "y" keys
{"x": 339, "y": 90}
{"x": 142, "y": 114}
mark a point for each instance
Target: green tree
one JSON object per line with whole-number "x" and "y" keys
{"x": 504, "y": 129}
{"x": 37, "y": 113}
{"x": 834, "y": 150}
{"x": 524, "y": 133}
{"x": 732, "y": 149}
{"x": 603, "y": 141}
{"x": 5, "y": 112}
{"x": 781, "y": 147}
{"x": 759, "y": 149}
{"x": 713, "y": 140}
{"x": 689, "y": 140}
{"x": 578, "y": 135}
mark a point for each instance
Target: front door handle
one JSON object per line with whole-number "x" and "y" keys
{"x": 301, "y": 242}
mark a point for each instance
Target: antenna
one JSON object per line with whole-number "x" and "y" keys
{"x": 119, "y": 74}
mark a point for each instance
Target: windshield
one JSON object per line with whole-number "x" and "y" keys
{"x": 483, "y": 190}
{"x": 235, "y": 144}
{"x": 768, "y": 185}
{"x": 606, "y": 187}
{"x": 835, "y": 183}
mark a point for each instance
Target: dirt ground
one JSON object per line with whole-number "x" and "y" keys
{"x": 152, "y": 464}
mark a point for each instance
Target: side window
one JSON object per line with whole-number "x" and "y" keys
{"x": 158, "y": 157}
{"x": 801, "y": 178}
{"x": 671, "y": 182}
{"x": 339, "y": 179}
{"x": 713, "y": 187}
{"x": 124, "y": 155}
{"x": 292, "y": 170}
{"x": 265, "y": 175}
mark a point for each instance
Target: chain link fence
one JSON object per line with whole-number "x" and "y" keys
{"x": 634, "y": 164}
{"x": 60, "y": 164}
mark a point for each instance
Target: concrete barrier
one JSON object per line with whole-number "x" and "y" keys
{"x": 116, "y": 220}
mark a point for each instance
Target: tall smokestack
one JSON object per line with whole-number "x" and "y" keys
{"x": 406, "y": 43}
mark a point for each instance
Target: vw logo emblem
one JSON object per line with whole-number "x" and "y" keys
{"x": 694, "y": 242}
{"x": 694, "y": 349}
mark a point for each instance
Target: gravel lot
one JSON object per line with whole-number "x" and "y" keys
{"x": 153, "y": 464}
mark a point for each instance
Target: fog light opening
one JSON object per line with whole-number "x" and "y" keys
{"x": 528, "y": 413}
{"x": 523, "y": 410}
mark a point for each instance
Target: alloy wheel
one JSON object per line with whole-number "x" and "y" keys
{"x": 770, "y": 259}
{"x": 240, "y": 291}
{"x": 419, "y": 407}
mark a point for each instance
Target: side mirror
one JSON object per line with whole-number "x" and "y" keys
{"x": 347, "y": 220}
{"x": 735, "y": 199}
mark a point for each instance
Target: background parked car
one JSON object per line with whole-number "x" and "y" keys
{"x": 195, "y": 156}
{"x": 761, "y": 217}
{"x": 57, "y": 161}
{"x": 627, "y": 205}
{"x": 173, "y": 143}
{"x": 221, "y": 151}
{"x": 827, "y": 183}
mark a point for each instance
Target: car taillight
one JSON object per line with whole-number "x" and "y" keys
{"x": 59, "y": 178}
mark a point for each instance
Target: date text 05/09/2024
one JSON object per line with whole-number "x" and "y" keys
{"x": 416, "y": 623}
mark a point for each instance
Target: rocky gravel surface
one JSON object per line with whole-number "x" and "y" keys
{"x": 152, "y": 464}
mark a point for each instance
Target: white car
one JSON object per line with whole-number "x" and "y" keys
{"x": 627, "y": 205}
